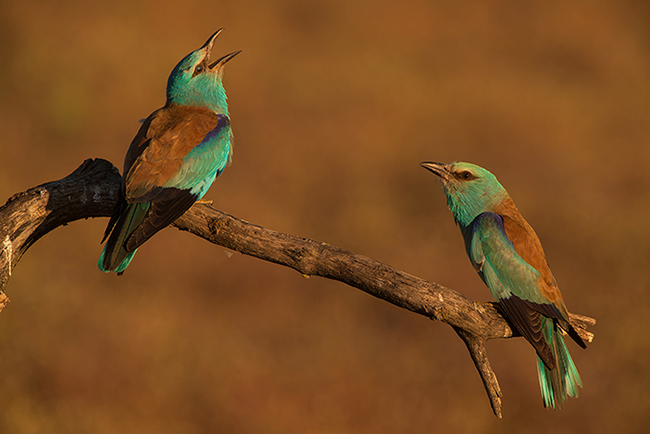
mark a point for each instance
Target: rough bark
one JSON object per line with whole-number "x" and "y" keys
{"x": 91, "y": 191}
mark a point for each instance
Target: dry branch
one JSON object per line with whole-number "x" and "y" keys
{"x": 91, "y": 191}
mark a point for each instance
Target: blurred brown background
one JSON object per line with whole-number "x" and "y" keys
{"x": 334, "y": 104}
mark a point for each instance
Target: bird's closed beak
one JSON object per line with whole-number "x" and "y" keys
{"x": 222, "y": 60}
{"x": 438, "y": 169}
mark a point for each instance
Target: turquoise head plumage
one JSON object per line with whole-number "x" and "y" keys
{"x": 508, "y": 256}
{"x": 195, "y": 81}
{"x": 174, "y": 158}
{"x": 470, "y": 189}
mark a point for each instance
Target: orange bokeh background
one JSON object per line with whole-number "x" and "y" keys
{"x": 333, "y": 104}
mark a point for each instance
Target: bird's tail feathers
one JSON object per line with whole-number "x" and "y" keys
{"x": 562, "y": 381}
{"x": 115, "y": 256}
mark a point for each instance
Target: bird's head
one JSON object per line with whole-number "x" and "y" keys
{"x": 196, "y": 81}
{"x": 470, "y": 189}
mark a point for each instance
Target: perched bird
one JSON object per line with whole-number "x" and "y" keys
{"x": 507, "y": 254}
{"x": 174, "y": 158}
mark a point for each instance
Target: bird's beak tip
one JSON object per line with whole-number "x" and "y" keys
{"x": 210, "y": 42}
{"x": 223, "y": 60}
{"x": 435, "y": 168}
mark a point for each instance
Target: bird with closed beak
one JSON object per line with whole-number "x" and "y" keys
{"x": 508, "y": 256}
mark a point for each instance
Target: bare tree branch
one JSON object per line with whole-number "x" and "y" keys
{"x": 477, "y": 351}
{"x": 91, "y": 191}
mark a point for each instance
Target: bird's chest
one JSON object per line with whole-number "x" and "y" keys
{"x": 211, "y": 155}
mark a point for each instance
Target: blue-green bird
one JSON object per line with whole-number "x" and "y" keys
{"x": 174, "y": 158}
{"x": 507, "y": 254}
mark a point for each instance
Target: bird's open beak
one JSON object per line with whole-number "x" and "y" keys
{"x": 210, "y": 42}
{"x": 222, "y": 60}
{"x": 438, "y": 169}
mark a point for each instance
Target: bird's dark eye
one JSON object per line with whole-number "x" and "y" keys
{"x": 198, "y": 69}
{"x": 466, "y": 175}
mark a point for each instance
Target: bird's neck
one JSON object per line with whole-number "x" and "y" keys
{"x": 465, "y": 208}
{"x": 211, "y": 97}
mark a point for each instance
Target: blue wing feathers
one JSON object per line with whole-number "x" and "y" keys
{"x": 513, "y": 283}
{"x": 502, "y": 269}
{"x": 145, "y": 207}
{"x": 205, "y": 161}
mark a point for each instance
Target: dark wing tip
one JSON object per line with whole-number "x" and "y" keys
{"x": 526, "y": 320}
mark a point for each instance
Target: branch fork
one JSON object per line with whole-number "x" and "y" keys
{"x": 91, "y": 191}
